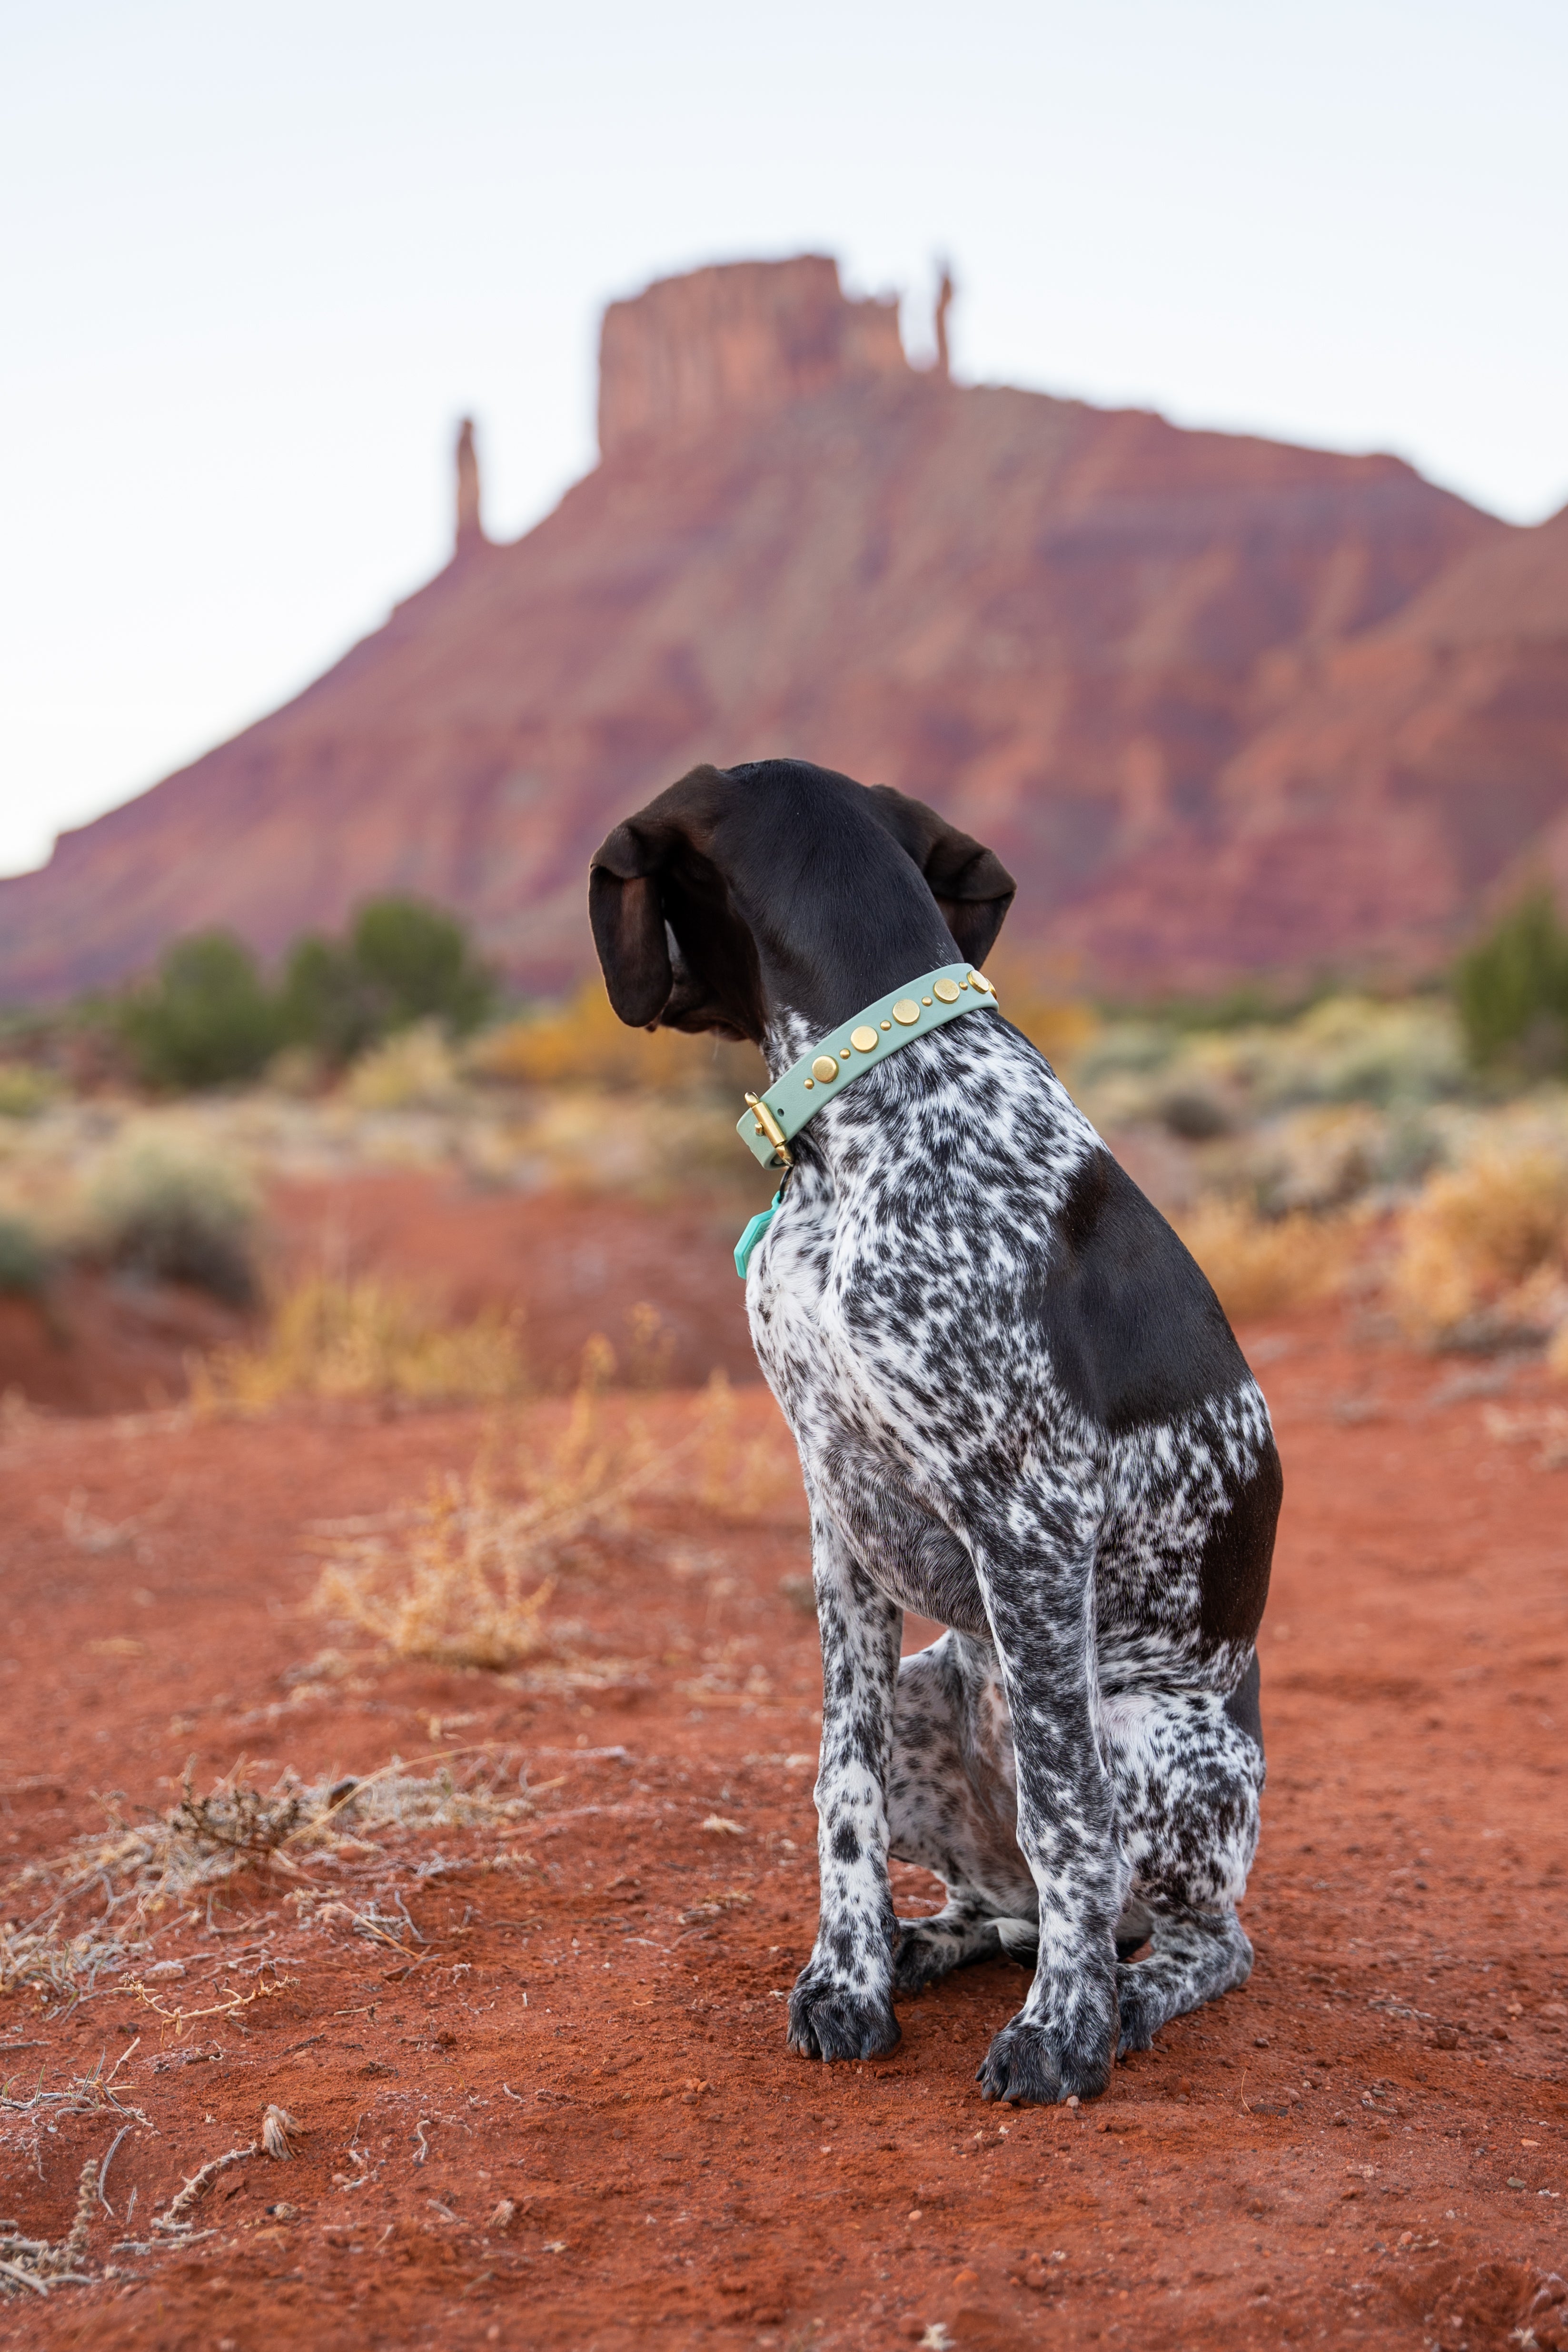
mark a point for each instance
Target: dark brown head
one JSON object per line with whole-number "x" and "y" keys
{"x": 743, "y": 893}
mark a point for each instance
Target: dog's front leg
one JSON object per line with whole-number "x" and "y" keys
{"x": 1039, "y": 1596}
{"x": 842, "y": 2003}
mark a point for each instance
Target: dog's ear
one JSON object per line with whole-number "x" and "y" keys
{"x": 970, "y": 883}
{"x": 627, "y": 917}
{"x": 653, "y": 877}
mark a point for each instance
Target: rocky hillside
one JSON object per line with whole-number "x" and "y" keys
{"x": 1223, "y": 704}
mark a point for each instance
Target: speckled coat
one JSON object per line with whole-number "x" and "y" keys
{"x": 1021, "y": 1412}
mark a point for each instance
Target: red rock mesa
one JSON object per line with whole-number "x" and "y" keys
{"x": 1224, "y": 706}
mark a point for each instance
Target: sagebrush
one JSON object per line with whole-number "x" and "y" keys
{"x": 365, "y": 1338}
{"x": 1490, "y": 1237}
{"x": 1261, "y": 1266}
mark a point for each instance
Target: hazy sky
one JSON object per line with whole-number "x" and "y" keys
{"x": 257, "y": 261}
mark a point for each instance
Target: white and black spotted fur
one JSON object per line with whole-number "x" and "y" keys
{"x": 1020, "y": 1411}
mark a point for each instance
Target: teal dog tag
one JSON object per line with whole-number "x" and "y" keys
{"x": 753, "y": 1233}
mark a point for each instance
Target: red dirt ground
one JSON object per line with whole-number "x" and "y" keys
{"x": 1367, "y": 2145}
{"x": 108, "y": 1343}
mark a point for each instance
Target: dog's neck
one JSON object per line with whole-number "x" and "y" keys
{"x": 804, "y": 1004}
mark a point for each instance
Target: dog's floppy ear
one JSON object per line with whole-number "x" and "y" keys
{"x": 970, "y": 883}
{"x": 627, "y": 915}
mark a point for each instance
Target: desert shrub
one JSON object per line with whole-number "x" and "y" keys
{"x": 1060, "y": 1024}
{"x": 411, "y": 1070}
{"x": 1476, "y": 1234}
{"x": 23, "y": 1262}
{"x": 324, "y": 1006}
{"x": 414, "y": 963}
{"x": 206, "y": 1020}
{"x": 1260, "y": 1265}
{"x": 366, "y": 1339}
{"x": 450, "y": 1587}
{"x": 162, "y": 1208}
{"x": 1511, "y": 991}
{"x": 1399, "y": 1056}
{"x": 24, "y": 1091}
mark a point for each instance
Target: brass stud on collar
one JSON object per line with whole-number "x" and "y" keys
{"x": 825, "y": 1069}
{"x": 905, "y": 1012}
{"x": 925, "y": 1000}
{"x": 978, "y": 979}
{"x": 947, "y": 990}
{"x": 887, "y": 1024}
{"x": 862, "y": 1040}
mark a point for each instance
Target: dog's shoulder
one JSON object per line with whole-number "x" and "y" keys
{"x": 1130, "y": 1322}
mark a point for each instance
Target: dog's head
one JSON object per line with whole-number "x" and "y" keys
{"x": 740, "y": 893}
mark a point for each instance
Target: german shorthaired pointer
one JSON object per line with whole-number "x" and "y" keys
{"x": 1020, "y": 1411}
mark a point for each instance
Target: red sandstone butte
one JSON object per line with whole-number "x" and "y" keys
{"x": 1225, "y": 705}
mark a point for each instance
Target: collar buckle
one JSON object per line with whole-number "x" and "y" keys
{"x": 768, "y": 1125}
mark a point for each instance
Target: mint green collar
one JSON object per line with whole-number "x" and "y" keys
{"x": 775, "y": 1117}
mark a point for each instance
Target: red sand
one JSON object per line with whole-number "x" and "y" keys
{"x": 1306, "y": 2162}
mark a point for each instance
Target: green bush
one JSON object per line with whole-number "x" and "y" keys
{"x": 1511, "y": 991}
{"x": 173, "y": 1213}
{"x": 207, "y": 1019}
{"x": 414, "y": 964}
{"x": 23, "y": 1267}
{"x": 324, "y": 1003}
{"x": 403, "y": 962}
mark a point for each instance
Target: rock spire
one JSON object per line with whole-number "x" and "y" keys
{"x": 470, "y": 531}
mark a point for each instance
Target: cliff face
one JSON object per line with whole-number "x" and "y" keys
{"x": 1204, "y": 693}
{"x": 1396, "y": 783}
{"x": 751, "y": 336}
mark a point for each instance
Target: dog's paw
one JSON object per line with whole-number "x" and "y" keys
{"x": 1029, "y": 2063}
{"x": 829, "y": 2021}
{"x": 922, "y": 1954}
{"x": 1141, "y": 2009}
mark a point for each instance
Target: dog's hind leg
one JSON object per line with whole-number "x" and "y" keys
{"x": 951, "y": 1809}
{"x": 1187, "y": 1776}
{"x": 1196, "y": 1956}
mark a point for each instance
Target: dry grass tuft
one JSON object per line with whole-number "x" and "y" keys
{"x": 449, "y": 1583}
{"x": 35, "y": 2263}
{"x": 413, "y": 1069}
{"x": 39, "y": 1959}
{"x": 364, "y": 1340}
{"x": 1546, "y": 1428}
{"x": 739, "y": 1478}
{"x": 1260, "y": 1266}
{"x": 447, "y": 1580}
{"x": 1489, "y": 1237}
{"x": 207, "y": 1841}
{"x": 176, "y": 2222}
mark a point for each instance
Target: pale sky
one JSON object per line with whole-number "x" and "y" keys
{"x": 257, "y": 263}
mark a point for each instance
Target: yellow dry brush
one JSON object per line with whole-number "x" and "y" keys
{"x": 1491, "y": 1235}
{"x": 464, "y": 1574}
{"x": 362, "y": 1339}
{"x": 1261, "y": 1266}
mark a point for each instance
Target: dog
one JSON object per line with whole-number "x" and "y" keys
{"x": 1020, "y": 1411}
